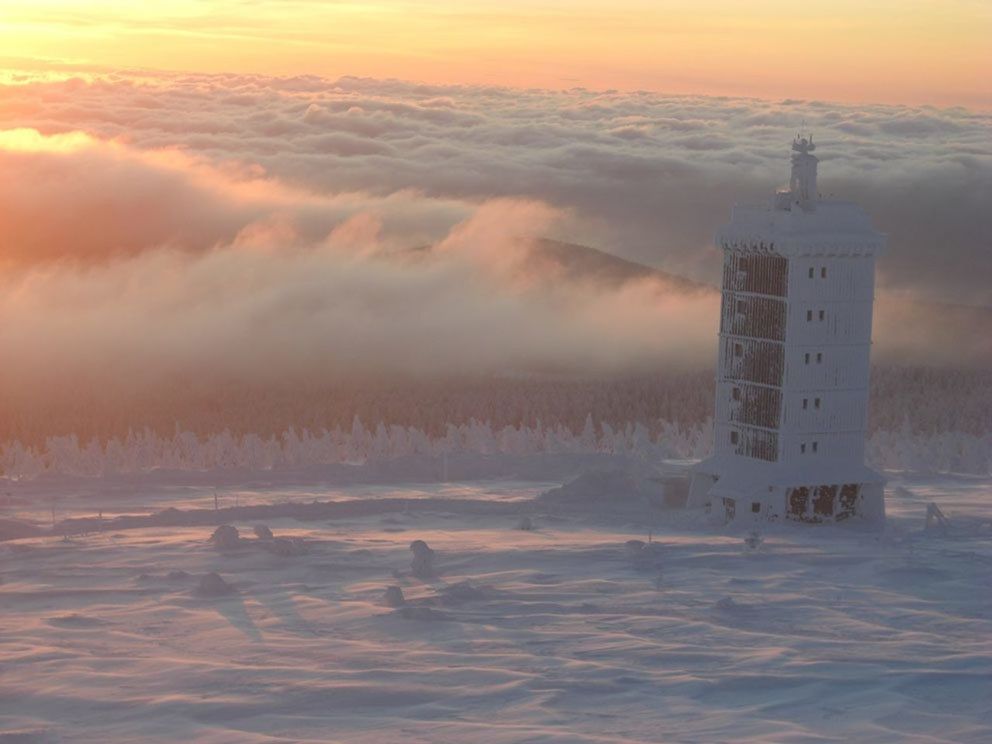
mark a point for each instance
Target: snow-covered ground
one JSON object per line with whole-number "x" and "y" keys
{"x": 562, "y": 633}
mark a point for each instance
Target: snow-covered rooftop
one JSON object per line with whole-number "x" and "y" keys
{"x": 832, "y": 224}
{"x": 828, "y": 217}
{"x": 796, "y": 221}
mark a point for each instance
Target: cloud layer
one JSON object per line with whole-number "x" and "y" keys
{"x": 648, "y": 177}
{"x": 225, "y": 227}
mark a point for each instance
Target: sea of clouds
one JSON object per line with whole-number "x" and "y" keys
{"x": 155, "y": 225}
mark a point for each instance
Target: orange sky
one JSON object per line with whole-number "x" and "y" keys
{"x": 901, "y": 51}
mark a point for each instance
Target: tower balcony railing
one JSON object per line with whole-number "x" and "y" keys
{"x": 752, "y": 405}
{"x": 752, "y": 360}
{"x": 754, "y": 443}
{"x": 762, "y": 274}
{"x": 754, "y": 316}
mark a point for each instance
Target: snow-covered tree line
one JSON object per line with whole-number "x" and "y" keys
{"x": 146, "y": 450}
{"x": 143, "y": 451}
{"x": 932, "y": 400}
{"x": 939, "y": 452}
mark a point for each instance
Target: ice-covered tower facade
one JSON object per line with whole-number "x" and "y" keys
{"x": 792, "y": 372}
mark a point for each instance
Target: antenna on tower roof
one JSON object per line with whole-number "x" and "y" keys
{"x": 802, "y": 184}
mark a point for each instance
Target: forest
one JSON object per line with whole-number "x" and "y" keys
{"x": 921, "y": 420}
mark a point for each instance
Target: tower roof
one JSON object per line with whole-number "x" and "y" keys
{"x": 803, "y": 144}
{"x": 796, "y": 222}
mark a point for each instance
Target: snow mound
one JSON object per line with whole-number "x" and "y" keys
{"x": 29, "y": 736}
{"x": 286, "y": 547}
{"x": 75, "y": 620}
{"x": 144, "y": 578}
{"x": 633, "y": 547}
{"x": 727, "y": 603}
{"x": 607, "y": 487}
{"x": 463, "y": 591}
{"x": 15, "y": 529}
{"x": 213, "y": 585}
{"x": 226, "y": 537}
{"x": 644, "y": 556}
{"x": 170, "y": 516}
{"x": 421, "y": 612}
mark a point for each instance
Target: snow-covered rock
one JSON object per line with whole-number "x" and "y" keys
{"x": 422, "y": 564}
{"x": 393, "y": 597}
{"x": 226, "y": 537}
{"x": 606, "y": 487}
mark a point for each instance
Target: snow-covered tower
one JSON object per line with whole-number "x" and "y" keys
{"x": 792, "y": 379}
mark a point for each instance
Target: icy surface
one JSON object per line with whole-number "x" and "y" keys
{"x": 556, "y": 634}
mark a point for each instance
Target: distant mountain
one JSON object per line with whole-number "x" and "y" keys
{"x": 558, "y": 261}
{"x": 581, "y": 263}
{"x": 907, "y": 330}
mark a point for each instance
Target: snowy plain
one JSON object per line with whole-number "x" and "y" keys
{"x": 556, "y": 634}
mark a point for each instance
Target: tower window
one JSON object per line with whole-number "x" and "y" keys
{"x": 756, "y": 507}
{"x": 738, "y": 350}
{"x": 823, "y": 272}
{"x": 733, "y": 437}
{"x": 819, "y": 357}
{"x": 802, "y": 448}
{"x": 807, "y": 357}
{"x": 805, "y": 403}
{"x": 823, "y": 314}
{"x": 741, "y": 306}
{"x": 814, "y": 446}
{"x": 809, "y": 315}
{"x": 816, "y": 404}
{"x": 810, "y": 272}
{"x": 736, "y": 393}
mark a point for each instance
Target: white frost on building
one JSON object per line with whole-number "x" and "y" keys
{"x": 792, "y": 380}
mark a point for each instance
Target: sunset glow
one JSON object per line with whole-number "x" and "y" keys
{"x": 906, "y": 51}
{"x": 495, "y": 371}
